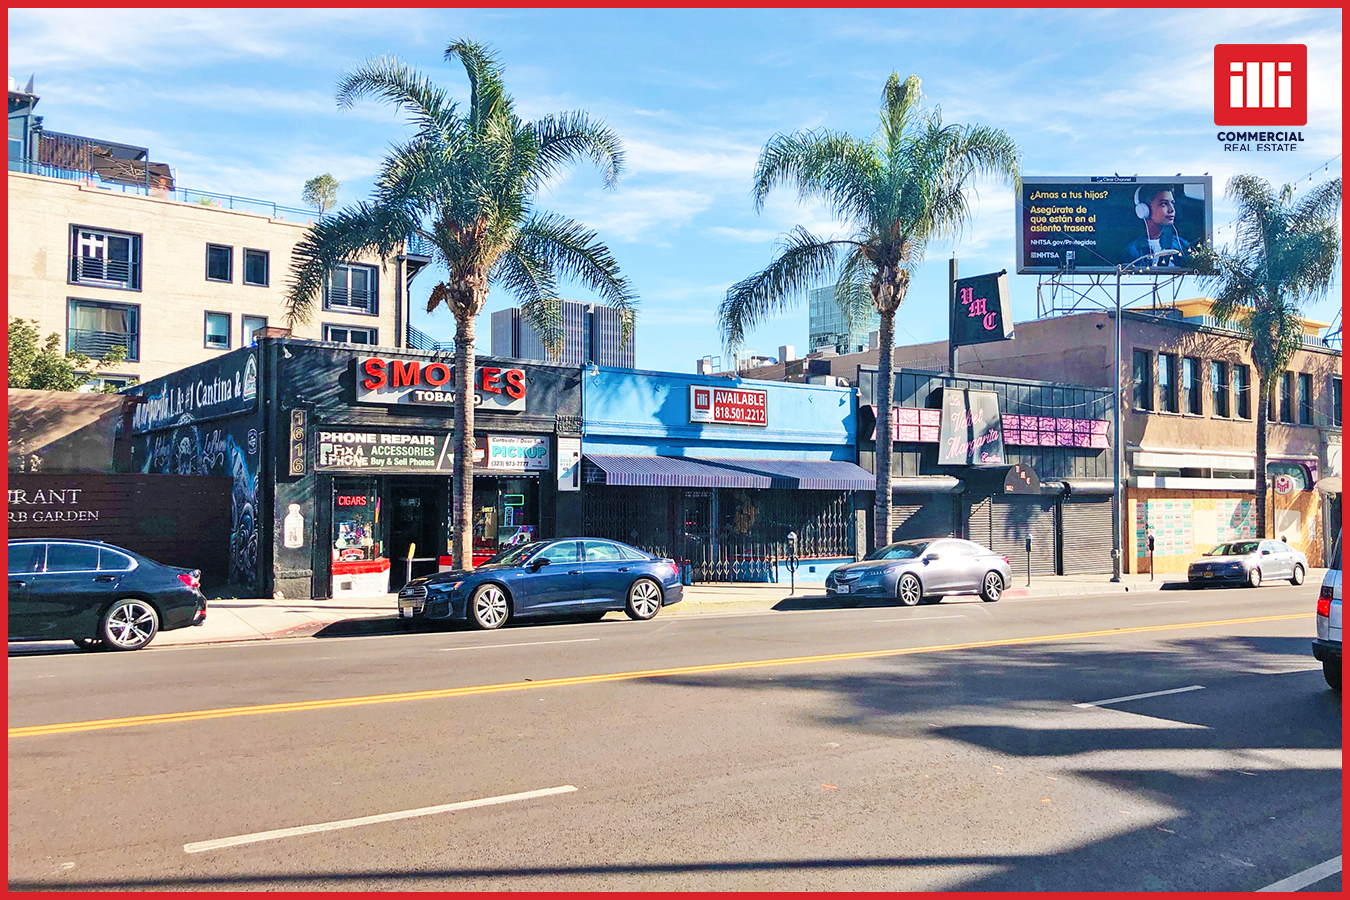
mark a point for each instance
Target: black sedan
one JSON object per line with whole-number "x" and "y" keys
{"x": 568, "y": 577}
{"x": 98, "y": 595}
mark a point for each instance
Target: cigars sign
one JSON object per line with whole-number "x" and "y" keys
{"x": 400, "y": 382}
{"x": 713, "y": 405}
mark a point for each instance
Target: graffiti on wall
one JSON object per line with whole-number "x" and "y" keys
{"x": 1172, "y": 524}
{"x": 197, "y": 449}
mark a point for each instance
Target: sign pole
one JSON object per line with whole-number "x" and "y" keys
{"x": 951, "y": 315}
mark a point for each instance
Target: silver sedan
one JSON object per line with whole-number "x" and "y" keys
{"x": 923, "y": 571}
{"x": 1249, "y": 562}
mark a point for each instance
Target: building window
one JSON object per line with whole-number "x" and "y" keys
{"x": 255, "y": 267}
{"x": 1190, "y": 385}
{"x": 1305, "y": 400}
{"x": 218, "y": 330}
{"x": 1336, "y": 402}
{"x": 352, "y": 288}
{"x": 1218, "y": 376}
{"x": 108, "y": 384}
{"x": 1286, "y": 398}
{"x": 247, "y": 326}
{"x": 1242, "y": 389}
{"x": 344, "y": 334}
{"x": 1167, "y": 381}
{"x": 93, "y": 328}
{"x": 219, "y": 263}
{"x": 1143, "y": 380}
{"x": 105, "y": 258}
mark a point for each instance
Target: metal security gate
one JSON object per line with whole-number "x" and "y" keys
{"x": 1011, "y": 519}
{"x": 923, "y": 516}
{"x": 1086, "y": 529}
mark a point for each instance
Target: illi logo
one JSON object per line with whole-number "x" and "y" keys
{"x": 1260, "y": 84}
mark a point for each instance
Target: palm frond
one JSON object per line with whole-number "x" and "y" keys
{"x": 363, "y": 230}
{"x": 488, "y": 100}
{"x": 820, "y": 165}
{"x": 557, "y": 244}
{"x": 395, "y": 82}
{"x": 804, "y": 262}
{"x": 564, "y": 137}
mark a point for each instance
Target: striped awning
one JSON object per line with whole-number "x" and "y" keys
{"x": 671, "y": 471}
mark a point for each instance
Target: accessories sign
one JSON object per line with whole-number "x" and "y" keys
{"x": 728, "y": 406}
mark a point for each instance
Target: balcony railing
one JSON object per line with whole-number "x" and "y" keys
{"x": 420, "y": 340}
{"x": 96, "y": 344}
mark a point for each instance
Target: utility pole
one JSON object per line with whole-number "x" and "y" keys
{"x": 951, "y": 314}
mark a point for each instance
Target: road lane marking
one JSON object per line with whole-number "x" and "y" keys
{"x": 1306, "y": 877}
{"x": 1161, "y": 603}
{"x": 1194, "y": 687}
{"x": 474, "y": 690}
{"x": 220, "y": 843}
{"x": 531, "y": 644}
{"x": 920, "y": 618}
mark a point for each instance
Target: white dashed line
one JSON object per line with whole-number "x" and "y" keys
{"x": 1194, "y": 687}
{"x": 920, "y": 618}
{"x": 1306, "y": 877}
{"x": 531, "y": 644}
{"x": 220, "y": 843}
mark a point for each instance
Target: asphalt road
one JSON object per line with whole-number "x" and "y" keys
{"x": 1175, "y": 741}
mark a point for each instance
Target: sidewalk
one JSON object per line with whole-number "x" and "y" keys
{"x": 231, "y": 619}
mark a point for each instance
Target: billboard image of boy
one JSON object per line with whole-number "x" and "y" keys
{"x": 1156, "y": 205}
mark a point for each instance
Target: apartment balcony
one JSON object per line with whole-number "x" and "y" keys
{"x": 96, "y": 344}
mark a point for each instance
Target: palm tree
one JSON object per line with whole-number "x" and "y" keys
{"x": 463, "y": 186}
{"x": 896, "y": 192}
{"x": 1285, "y": 252}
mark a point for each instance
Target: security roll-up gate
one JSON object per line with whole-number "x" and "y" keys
{"x": 923, "y": 516}
{"x": 1086, "y": 545}
{"x": 1011, "y": 520}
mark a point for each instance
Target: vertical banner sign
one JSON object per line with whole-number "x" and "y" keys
{"x": 569, "y": 463}
{"x": 297, "y": 443}
{"x": 971, "y": 433}
{"x": 980, "y": 312}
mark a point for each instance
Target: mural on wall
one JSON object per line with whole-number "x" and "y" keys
{"x": 197, "y": 422}
{"x": 1235, "y": 519}
{"x": 191, "y": 449}
{"x": 1172, "y": 523}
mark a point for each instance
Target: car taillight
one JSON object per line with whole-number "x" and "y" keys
{"x": 191, "y": 579}
{"x": 1006, "y": 560}
{"x": 1324, "y": 601}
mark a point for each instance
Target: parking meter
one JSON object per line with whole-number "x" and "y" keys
{"x": 1150, "y": 556}
{"x": 1028, "y": 560}
{"x": 792, "y": 561}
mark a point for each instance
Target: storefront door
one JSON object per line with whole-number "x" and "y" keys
{"x": 415, "y": 520}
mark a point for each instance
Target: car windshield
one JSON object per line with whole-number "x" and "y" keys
{"x": 897, "y": 551}
{"x": 515, "y": 556}
{"x": 1235, "y": 548}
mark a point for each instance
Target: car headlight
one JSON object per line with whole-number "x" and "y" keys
{"x": 444, "y": 587}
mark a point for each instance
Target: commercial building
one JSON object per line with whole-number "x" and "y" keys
{"x": 828, "y": 329}
{"x": 1188, "y": 421}
{"x": 592, "y": 334}
{"x": 106, "y": 251}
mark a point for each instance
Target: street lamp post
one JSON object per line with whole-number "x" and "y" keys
{"x": 1117, "y": 440}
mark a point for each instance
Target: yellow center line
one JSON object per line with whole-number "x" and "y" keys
{"x": 444, "y": 693}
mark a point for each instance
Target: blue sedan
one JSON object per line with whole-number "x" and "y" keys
{"x": 569, "y": 577}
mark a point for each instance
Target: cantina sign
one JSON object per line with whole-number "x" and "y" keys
{"x": 399, "y": 382}
{"x": 727, "y": 406}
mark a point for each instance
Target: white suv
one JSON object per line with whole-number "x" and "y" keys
{"x": 1327, "y": 647}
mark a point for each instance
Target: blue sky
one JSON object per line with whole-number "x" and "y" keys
{"x": 242, "y": 102}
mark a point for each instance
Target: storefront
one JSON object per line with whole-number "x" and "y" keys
{"x": 721, "y": 473}
{"x": 999, "y": 461}
{"x": 356, "y": 489}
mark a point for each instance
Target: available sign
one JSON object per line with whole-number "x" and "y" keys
{"x": 728, "y": 406}
{"x": 398, "y": 382}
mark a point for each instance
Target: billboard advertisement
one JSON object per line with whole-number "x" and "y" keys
{"x": 1093, "y": 224}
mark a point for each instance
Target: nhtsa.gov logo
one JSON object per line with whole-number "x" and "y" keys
{"x": 1261, "y": 85}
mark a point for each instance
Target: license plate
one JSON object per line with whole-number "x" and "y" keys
{"x": 841, "y": 589}
{"x": 407, "y": 612}
{"x": 1209, "y": 574}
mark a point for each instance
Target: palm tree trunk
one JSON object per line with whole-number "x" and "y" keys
{"x": 1266, "y": 385}
{"x": 462, "y": 486}
{"x": 881, "y": 511}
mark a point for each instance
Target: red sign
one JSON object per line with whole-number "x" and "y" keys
{"x": 349, "y": 500}
{"x": 1260, "y": 84}
{"x": 728, "y": 406}
{"x": 401, "y": 381}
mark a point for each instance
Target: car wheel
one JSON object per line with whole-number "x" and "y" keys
{"x": 488, "y": 607}
{"x": 1297, "y": 577}
{"x": 908, "y": 591}
{"x": 1254, "y": 578}
{"x": 128, "y": 624}
{"x": 993, "y": 588}
{"x": 644, "y": 599}
{"x": 1331, "y": 671}
{"x": 89, "y": 643}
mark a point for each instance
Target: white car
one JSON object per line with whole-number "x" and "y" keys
{"x": 1327, "y": 647}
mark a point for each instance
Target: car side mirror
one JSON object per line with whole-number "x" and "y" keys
{"x": 929, "y": 557}
{"x": 539, "y": 562}
{"x": 1265, "y": 552}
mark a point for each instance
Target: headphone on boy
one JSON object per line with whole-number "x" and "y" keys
{"x": 1141, "y": 208}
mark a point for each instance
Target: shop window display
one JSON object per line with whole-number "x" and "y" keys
{"x": 356, "y": 519}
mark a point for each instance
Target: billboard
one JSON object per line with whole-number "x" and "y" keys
{"x": 1094, "y": 224}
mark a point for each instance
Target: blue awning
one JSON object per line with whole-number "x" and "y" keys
{"x": 670, "y": 471}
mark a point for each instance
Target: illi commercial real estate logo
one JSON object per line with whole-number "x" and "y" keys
{"x": 1260, "y": 86}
